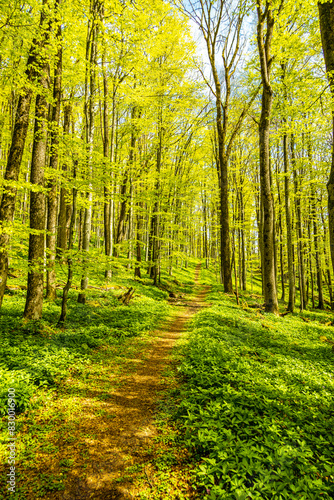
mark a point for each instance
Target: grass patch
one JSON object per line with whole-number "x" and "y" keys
{"x": 256, "y": 403}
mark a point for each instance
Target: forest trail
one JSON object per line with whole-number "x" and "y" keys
{"x": 125, "y": 434}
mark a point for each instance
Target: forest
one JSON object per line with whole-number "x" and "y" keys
{"x": 166, "y": 249}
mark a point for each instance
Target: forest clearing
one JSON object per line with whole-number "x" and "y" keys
{"x": 166, "y": 249}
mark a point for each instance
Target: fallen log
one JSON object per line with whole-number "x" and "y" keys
{"x": 15, "y": 288}
{"x": 127, "y": 296}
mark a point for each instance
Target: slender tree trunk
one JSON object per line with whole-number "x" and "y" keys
{"x": 310, "y": 259}
{"x": 326, "y": 16}
{"x": 328, "y": 271}
{"x": 138, "y": 246}
{"x": 7, "y": 207}
{"x": 90, "y": 129}
{"x": 34, "y": 299}
{"x": 321, "y": 304}
{"x": 65, "y": 208}
{"x": 205, "y": 216}
{"x": 292, "y": 289}
{"x": 259, "y": 219}
{"x": 235, "y": 269}
{"x": 299, "y": 227}
{"x": 121, "y": 226}
{"x": 68, "y": 285}
{"x": 264, "y": 44}
{"x": 280, "y": 227}
{"x": 107, "y": 190}
{"x": 313, "y": 213}
{"x": 155, "y": 216}
{"x": 51, "y": 236}
{"x": 243, "y": 245}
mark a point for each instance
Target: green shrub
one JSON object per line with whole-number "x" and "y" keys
{"x": 24, "y": 388}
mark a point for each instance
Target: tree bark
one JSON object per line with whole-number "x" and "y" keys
{"x": 121, "y": 226}
{"x": 225, "y": 251}
{"x": 65, "y": 208}
{"x": 292, "y": 289}
{"x": 299, "y": 228}
{"x": 90, "y": 129}
{"x": 280, "y": 226}
{"x": 155, "y": 216}
{"x": 107, "y": 213}
{"x": 326, "y": 16}
{"x": 264, "y": 45}
{"x": 34, "y": 299}
{"x": 328, "y": 270}
{"x": 313, "y": 214}
{"x": 138, "y": 246}
{"x": 51, "y": 236}
{"x": 68, "y": 285}
{"x": 13, "y": 166}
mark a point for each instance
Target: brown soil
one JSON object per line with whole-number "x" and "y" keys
{"x": 125, "y": 433}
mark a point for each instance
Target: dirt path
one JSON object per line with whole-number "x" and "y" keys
{"x": 127, "y": 429}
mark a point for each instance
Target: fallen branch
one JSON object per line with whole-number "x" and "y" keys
{"x": 328, "y": 341}
{"x": 14, "y": 288}
{"x": 127, "y": 296}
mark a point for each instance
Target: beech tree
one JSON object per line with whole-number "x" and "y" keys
{"x": 35, "y": 286}
{"x": 265, "y": 31}
{"x": 34, "y": 68}
{"x": 326, "y": 16}
{"x": 142, "y": 157}
{"x": 221, "y": 26}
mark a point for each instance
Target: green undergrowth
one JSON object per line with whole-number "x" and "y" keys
{"x": 37, "y": 353}
{"x": 37, "y": 358}
{"x": 255, "y": 403}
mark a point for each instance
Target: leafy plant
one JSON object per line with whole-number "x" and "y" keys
{"x": 256, "y": 405}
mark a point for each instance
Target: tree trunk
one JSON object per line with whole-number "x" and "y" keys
{"x": 124, "y": 197}
{"x": 328, "y": 270}
{"x": 65, "y": 208}
{"x": 310, "y": 259}
{"x": 51, "y": 236}
{"x": 264, "y": 43}
{"x": 68, "y": 285}
{"x": 138, "y": 247}
{"x": 313, "y": 213}
{"x": 155, "y": 216}
{"x": 107, "y": 191}
{"x": 205, "y": 216}
{"x": 225, "y": 252}
{"x": 34, "y": 299}
{"x": 299, "y": 227}
{"x": 12, "y": 173}
{"x": 90, "y": 128}
{"x": 243, "y": 245}
{"x": 321, "y": 304}
{"x": 326, "y": 16}
{"x": 292, "y": 289}
{"x": 280, "y": 226}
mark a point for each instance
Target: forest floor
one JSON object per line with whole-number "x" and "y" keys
{"x": 183, "y": 394}
{"x": 95, "y": 435}
{"x": 124, "y": 434}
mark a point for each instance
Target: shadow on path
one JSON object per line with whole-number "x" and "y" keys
{"x": 124, "y": 435}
